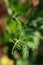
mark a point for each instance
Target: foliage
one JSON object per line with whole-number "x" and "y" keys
{"x": 24, "y": 34}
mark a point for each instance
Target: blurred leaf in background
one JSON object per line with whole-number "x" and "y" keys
{"x": 23, "y": 31}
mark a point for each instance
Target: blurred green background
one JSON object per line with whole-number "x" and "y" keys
{"x": 22, "y": 40}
